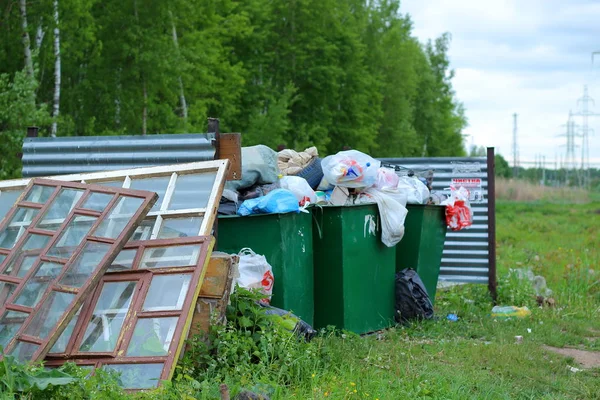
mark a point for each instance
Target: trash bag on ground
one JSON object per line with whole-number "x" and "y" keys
{"x": 391, "y": 213}
{"x": 351, "y": 169}
{"x": 300, "y": 187}
{"x": 279, "y": 201}
{"x": 254, "y": 272}
{"x": 412, "y": 300}
{"x": 259, "y": 166}
{"x": 289, "y": 321}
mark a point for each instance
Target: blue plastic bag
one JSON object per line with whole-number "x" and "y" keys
{"x": 279, "y": 201}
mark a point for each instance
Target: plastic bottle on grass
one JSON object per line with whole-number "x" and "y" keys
{"x": 510, "y": 311}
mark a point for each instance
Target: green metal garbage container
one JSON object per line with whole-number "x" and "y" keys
{"x": 354, "y": 271}
{"x": 422, "y": 246}
{"x": 286, "y": 242}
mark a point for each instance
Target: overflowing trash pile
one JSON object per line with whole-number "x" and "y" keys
{"x": 290, "y": 181}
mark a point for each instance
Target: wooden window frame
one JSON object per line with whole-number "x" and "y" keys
{"x": 208, "y": 213}
{"x": 144, "y": 276}
{"x": 81, "y": 293}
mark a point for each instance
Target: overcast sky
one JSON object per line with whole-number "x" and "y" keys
{"x": 530, "y": 57}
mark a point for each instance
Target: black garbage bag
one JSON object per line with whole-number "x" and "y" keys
{"x": 412, "y": 300}
{"x": 289, "y": 321}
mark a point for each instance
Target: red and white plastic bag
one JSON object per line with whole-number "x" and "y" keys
{"x": 459, "y": 214}
{"x": 255, "y": 273}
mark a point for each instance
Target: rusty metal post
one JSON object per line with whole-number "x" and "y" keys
{"x": 32, "y": 131}
{"x": 213, "y": 127}
{"x": 491, "y": 170}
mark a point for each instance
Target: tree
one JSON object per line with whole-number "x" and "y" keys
{"x": 503, "y": 170}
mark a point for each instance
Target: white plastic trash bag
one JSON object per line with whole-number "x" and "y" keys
{"x": 351, "y": 169}
{"x": 391, "y": 212}
{"x": 300, "y": 187}
{"x": 255, "y": 273}
{"x": 416, "y": 191}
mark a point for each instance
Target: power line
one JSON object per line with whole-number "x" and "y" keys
{"x": 585, "y": 113}
{"x": 515, "y": 148}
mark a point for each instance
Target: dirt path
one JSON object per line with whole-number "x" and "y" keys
{"x": 587, "y": 359}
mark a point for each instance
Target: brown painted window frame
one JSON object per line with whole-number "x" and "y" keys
{"x": 81, "y": 293}
{"x": 144, "y": 277}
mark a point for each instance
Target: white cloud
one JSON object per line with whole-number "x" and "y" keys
{"x": 529, "y": 57}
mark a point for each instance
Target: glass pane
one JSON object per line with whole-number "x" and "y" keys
{"x": 87, "y": 261}
{"x": 123, "y": 261}
{"x": 60, "y": 209}
{"x": 40, "y": 194}
{"x": 63, "y": 340}
{"x": 7, "y": 199}
{"x": 2, "y": 258}
{"x": 144, "y": 230}
{"x": 36, "y": 286}
{"x": 49, "y": 314}
{"x": 24, "y": 351}
{"x": 167, "y": 292}
{"x": 192, "y": 191}
{"x": 137, "y": 376}
{"x": 180, "y": 227}
{"x": 97, "y": 201}
{"x": 118, "y": 218}
{"x": 152, "y": 337}
{"x": 173, "y": 256}
{"x": 156, "y": 184}
{"x": 6, "y": 289}
{"x": 10, "y": 323}
{"x": 20, "y": 220}
{"x": 72, "y": 236}
{"x": 25, "y": 257}
{"x": 104, "y": 328}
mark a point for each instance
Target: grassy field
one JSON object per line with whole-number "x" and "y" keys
{"x": 476, "y": 357}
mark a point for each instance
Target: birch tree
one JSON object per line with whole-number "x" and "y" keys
{"x": 25, "y": 38}
{"x": 57, "y": 72}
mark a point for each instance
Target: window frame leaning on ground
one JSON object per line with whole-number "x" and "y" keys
{"x": 112, "y": 225}
{"x": 139, "y": 269}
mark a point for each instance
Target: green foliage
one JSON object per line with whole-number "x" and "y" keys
{"x": 252, "y": 347}
{"x": 502, "y": 168}
{"x": 300, "y": 73}
{"x": 18, "y": 110}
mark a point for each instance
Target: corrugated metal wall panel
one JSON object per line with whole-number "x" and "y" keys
{"x": 466, "y": 256}
{"x": 81, "y": 154}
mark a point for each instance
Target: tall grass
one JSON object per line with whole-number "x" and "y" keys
{"x": 518, "y": 190}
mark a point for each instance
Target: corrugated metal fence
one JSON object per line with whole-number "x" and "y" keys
{"x": 80, "y": 154}
{"x": 469, "y": 255}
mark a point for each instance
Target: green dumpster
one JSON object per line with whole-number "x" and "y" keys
{"x": 286, "y": 242}
{"x": 422, "y": 246}
{"x": 354, "y": 271}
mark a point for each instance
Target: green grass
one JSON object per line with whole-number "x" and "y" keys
{"x": 477, "y": 357}
{"x": 474, "y": 358}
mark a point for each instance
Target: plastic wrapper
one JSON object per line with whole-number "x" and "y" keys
{"x": 459, "y": 214}
{"x": 255, "y": 273}
{"x": 279, "y": 201}
{"x": 351, "y": 169}
{"x": 387, "y": 179}
{"x": 416, "y": 191}
{"x": 300, "y": 187}
{"x": 391, "y": 212}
